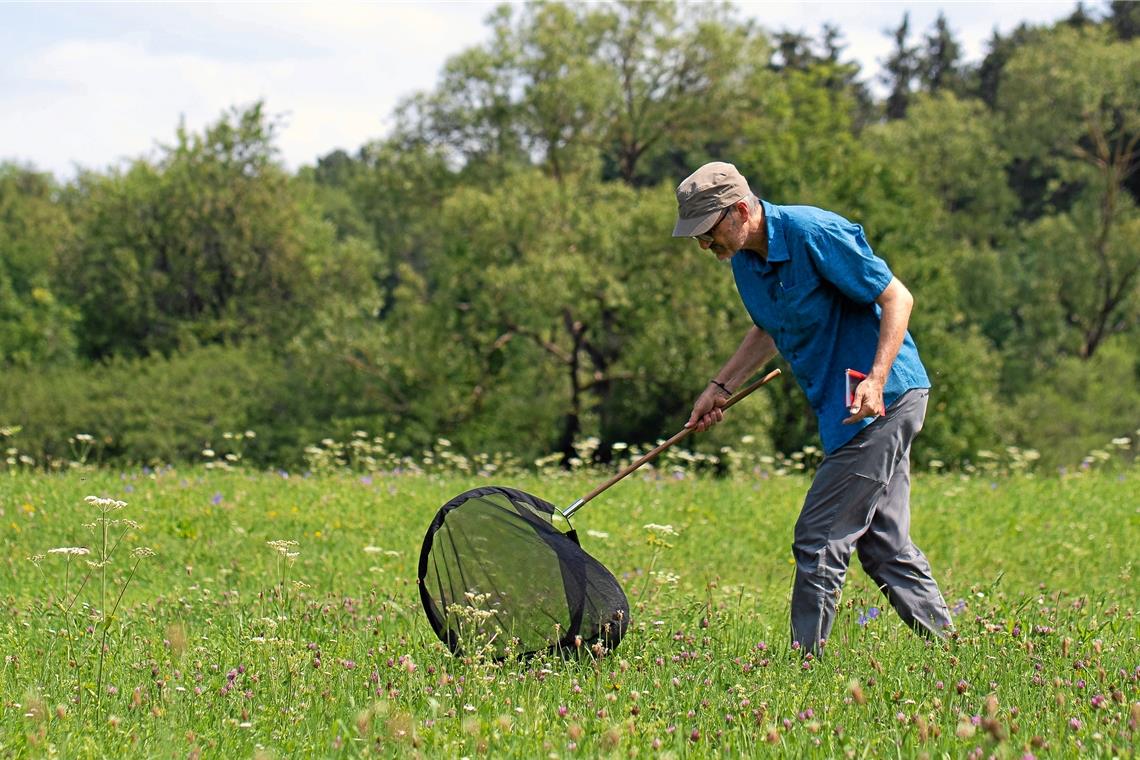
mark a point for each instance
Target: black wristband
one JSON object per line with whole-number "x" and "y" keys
{"x": 721, "y": 385}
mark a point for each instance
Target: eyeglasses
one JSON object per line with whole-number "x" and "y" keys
{"x": 706, "y": 237}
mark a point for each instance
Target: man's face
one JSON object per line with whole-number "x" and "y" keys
{"x": 721, "y": 238}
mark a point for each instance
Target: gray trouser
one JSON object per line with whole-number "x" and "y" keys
{"x": 860, "y": 499}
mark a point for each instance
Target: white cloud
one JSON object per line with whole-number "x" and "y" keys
{"x": 336, "y": 74}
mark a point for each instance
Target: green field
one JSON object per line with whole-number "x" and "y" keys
{"x": 221, "y": 647}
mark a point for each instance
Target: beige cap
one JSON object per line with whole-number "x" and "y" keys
{"x": 704, "y": 194}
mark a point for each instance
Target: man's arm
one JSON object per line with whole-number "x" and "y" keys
{"x": 896, "y": 303}
{"x": 755, "y": 351}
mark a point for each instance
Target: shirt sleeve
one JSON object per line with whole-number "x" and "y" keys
{"x": 843, "y": 257}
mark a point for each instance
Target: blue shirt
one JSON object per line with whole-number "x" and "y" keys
{"x": 815, "y": 295}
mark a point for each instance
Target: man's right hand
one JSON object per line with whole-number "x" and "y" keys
{"x": 708, "y": 410}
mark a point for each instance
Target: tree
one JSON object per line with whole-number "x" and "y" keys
{"x": 212, "y": 244}
{"x": 1069, "y": 105}
{"x": 939, "y": 65}
{"x": 1124, "y": 18}
{"x": 678, "y": 78}
{"x": 472, "y": 115}
{"x": 953, "y": 148}
{"x": 35, "y": 326}
{"x": 550, "y": 311}
{"x": 1080, "y": 17}
{"x": 900, "y": 70}
{"x": 1001, "y": 49}
{"x": 794, "y": 50}
{"x": 580, "y": 87}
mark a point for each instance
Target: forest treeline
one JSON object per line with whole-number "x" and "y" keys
{"x": 498, "y": 271}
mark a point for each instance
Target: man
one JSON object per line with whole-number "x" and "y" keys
{"x": 819, "y": 296}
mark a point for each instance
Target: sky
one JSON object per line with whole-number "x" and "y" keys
{"x": 93, "y": 85}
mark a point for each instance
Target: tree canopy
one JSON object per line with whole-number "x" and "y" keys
{"x": 498, "y": 270}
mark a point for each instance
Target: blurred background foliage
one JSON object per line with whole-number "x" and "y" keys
{"x": 498, "y": 271}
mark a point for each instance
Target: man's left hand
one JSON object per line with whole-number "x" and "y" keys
{"x": 868, "y": 401}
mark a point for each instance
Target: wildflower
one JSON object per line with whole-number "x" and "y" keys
{"x": 660, "y": 530}
{"x": 282, "y": 547}
{"x": 105, "y": 504}
{"x": 142, "y": 551}
{"x": 73, "y": 551}
{"x": 1075, "y": 724}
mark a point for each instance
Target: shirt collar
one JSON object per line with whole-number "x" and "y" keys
{"x": 774, "y": 220}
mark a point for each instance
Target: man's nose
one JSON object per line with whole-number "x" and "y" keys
{"x": 704, "y": 244}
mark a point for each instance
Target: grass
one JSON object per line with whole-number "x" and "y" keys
{"x": 223, "y": 645}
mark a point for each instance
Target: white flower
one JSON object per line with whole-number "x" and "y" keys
{"x": 282, "y": 547}
{"x": 72, "y": 551}
{"x": 105, "y": 504}
{"x": 597, "y": 534}
{"x": 661, "y": 530}
{"x": 372, "y": 550}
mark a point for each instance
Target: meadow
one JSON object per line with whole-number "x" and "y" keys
{"x": 180, "y": 619}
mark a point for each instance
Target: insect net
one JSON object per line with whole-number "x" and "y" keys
{"x": 501, "y": 571}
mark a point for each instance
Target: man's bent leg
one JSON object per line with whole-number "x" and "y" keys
{"x": 836, "y": 511}
{"x": 886, "y": 552}
{"x": 897, "y": 566}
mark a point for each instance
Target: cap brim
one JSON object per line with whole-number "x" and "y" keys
{"x": 696, "y": 225}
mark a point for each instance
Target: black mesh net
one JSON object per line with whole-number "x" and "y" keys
{"x": 499, "y": 574}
